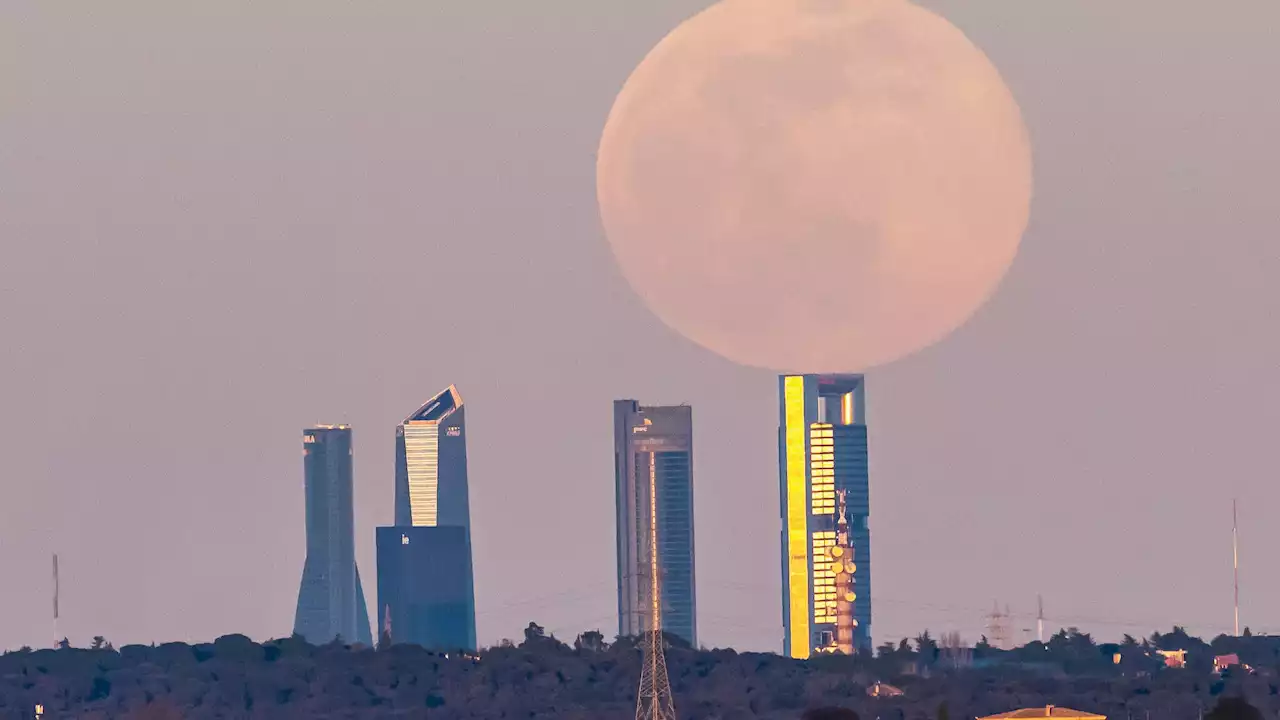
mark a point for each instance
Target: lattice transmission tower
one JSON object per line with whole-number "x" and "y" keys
{"x": 998, "y": 628}
{"x": 653, "y": 701}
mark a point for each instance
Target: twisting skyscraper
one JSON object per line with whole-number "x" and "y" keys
{"x": 822, "y": 452}
{"x": 330, "y": 600}
{"x": 653, "y": 446}
{"x": 425, "y": 583}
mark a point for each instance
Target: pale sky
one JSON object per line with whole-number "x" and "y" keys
{"x": 220, "y": 225}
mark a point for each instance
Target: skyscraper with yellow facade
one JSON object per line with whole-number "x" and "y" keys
{"x": 822, "y": 449}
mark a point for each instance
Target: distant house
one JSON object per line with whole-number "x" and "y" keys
{"x": 1174, "y": 658}
{"x": 884, "y": 690}
{"x": 1048, "y": 711}
{"x": 1222, "y": 662}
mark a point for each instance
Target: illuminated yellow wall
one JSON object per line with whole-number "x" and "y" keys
{"x": 822, "y": 499}
{"x": 797, "y": 518}
{"x": 822, "y": 469}
{"x": 422, "y": 458}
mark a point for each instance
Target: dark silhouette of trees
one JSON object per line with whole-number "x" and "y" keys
{"x": 592, "y": 640}
{"x": 1234, "y": 708}
{"x": 542, "y": 678}
{"x": 161, "y": 709}
{"x": 830, "y": 713}
{"x": 926, "y": 648}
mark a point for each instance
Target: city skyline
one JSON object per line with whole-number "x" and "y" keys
{"x": 225, "y": 222}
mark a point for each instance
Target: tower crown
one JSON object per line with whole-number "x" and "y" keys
{"x": 439, "y": 407}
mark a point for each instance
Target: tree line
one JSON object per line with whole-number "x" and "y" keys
{"x": 541, "y": 676}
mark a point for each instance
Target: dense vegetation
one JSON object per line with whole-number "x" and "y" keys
{"x": 542, "y": 677}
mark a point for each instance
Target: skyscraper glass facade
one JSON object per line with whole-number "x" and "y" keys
{"x": 653, "y": 451}
{"x": 331, "y": 600}
{"x": 822, "y": 449}
{"x": 425, "y": 587}
{"x": 427, "y": 583}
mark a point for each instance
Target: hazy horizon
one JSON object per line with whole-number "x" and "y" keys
{"x": 222, "y": 224}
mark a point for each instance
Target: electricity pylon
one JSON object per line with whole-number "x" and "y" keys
{"x": 653, "y": 701}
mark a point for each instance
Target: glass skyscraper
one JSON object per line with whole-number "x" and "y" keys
{"x": 330, "y": 600}
{"x": 425, "y": 585}
{"x": 653, "y": 449}
{"x": 822, "y": 449}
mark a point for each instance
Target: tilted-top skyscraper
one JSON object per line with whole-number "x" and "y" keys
{"x": 653, "y": 448}
{"x": 822, "y": 449}
{"x": 431, "y": 464}
{"x": 425, "y": 582}
{"x": 330, "y": 600}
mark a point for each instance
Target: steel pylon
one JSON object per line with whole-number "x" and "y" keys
{"x": 654, "y": 702}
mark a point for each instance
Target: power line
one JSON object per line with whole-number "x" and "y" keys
{"x": 974, "y": 614}
{"x": 1063, "y": 621}
{"x": 569, "y": 595}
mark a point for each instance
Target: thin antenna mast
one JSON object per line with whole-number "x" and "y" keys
{"x": 1235, "y": 564}
{"x": 1040, "y": 619}
{"x": 57, "y": 641}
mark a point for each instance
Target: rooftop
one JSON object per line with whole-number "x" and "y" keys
{"x": 1049, "y": 711}
{"x": 438, "y": 407}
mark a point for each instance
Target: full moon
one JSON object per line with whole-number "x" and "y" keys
{"x": 814, "y": 185}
